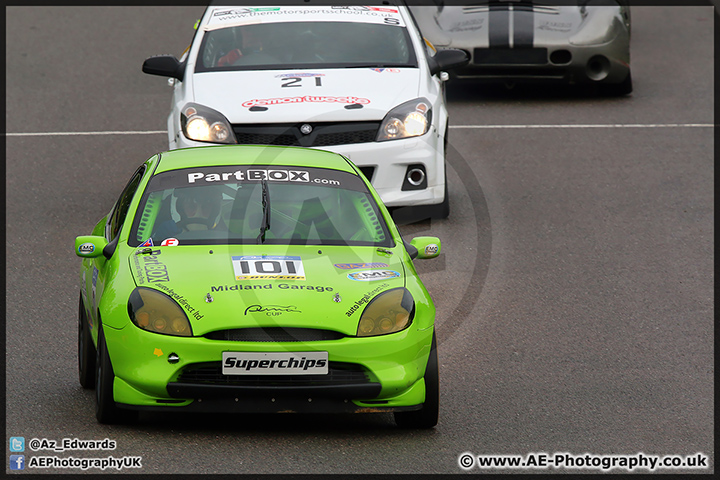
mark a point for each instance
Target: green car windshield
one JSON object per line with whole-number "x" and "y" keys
{"x": 258, "y": 204}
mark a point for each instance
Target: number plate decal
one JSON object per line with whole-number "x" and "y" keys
{"x": 275, "y": 363}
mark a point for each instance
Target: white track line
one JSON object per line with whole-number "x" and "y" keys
{"x": 67, "y": 134}
{"x": 616, "y": 125}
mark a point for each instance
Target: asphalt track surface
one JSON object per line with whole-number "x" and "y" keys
{"x": 574, "y": 296}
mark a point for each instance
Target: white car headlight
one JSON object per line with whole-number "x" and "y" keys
{"x": 410, "y": 119}
{"x": 204, "y": 124}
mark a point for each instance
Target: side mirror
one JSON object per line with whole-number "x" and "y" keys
{"x": 90, "y": 246}
{"x": 425, "y": 247}
{"x": 448, "y": 59}
{"x": 165, "y": 66}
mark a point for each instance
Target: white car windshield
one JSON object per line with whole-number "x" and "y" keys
{"x": 292, "y": 45}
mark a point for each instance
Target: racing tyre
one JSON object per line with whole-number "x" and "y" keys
{"x": 427, "y": 416}
{"x": 86, "y": 350}
{"x": 442, "y": 210}
{"x": 419, "y": 213}
{"x": 619, "y": 89}
{"x": 106, "y": 411}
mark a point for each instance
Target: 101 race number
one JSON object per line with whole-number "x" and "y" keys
{"x": 255, "y": 267}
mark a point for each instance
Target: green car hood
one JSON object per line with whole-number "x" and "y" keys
{"x": 227, "y": 287}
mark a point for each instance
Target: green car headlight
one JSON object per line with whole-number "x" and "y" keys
{"x": 204, "y": 124}
{"x": 156, "y": 312}
{"x": 410, "y": 119}
{"x": 389, "y": 312}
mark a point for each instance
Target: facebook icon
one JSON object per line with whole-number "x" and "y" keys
{"x": 17, "y": 462}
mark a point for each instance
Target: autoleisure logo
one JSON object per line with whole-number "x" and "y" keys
{"x": 365, "y": 298}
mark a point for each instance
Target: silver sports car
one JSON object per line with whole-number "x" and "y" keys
{"x": 571, "y": 41}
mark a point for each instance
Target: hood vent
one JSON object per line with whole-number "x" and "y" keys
{"x": 274, "y": 334}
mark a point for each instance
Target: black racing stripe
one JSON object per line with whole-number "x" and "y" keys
{"x": 499, "y": 25}
{"x": 523, "y": 25}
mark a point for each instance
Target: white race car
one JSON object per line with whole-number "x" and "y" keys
{"x": 356, "y": 80}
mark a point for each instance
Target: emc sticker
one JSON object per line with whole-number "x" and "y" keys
{"x": 86, "y": 248}
{"x": 369, "y": 275}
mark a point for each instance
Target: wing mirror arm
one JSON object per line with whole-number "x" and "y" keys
{"x": 412, "y": 251}
{"x": 109, "y": 249}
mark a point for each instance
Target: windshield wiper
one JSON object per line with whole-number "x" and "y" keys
{"x": 266, "y": 212}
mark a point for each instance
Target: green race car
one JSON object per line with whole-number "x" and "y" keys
{"x": 255, "y": 279}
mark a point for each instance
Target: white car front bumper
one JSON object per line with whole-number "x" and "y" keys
{"x": 390, "y": 161}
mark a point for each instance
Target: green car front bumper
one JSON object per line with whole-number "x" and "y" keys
{"x": 161, "y": 372}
